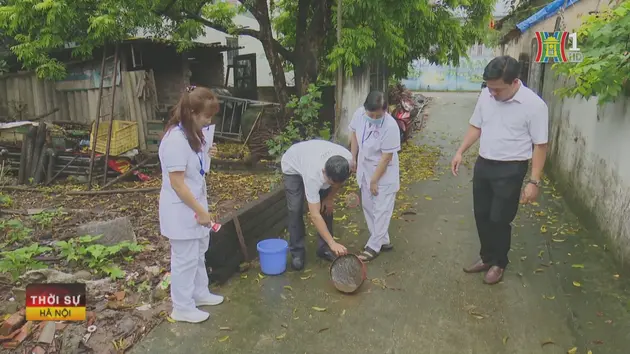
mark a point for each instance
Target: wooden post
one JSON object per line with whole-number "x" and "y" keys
{"x": 339, "y": 84}
{"x": 111, "y": 116}
{"x": 98, "y": 119}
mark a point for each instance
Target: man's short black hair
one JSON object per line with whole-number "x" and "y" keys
{"x": 337, "y": 169}
{"x": 503, "y": 67}
{"x": 374, "y": 101}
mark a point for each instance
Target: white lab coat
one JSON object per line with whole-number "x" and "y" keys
{"x": 189, "y": 240}
{"x": 373, "y": 141}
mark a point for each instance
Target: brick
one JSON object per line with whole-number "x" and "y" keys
{"x": 12, "y": 323}
{"x": 23, "y": 333}
{"x": 10, "y": 336}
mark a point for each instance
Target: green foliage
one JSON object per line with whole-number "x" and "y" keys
{"x": 304, "y": 125}
{"x": 409, "y": 30}
{"x": 96, "y": 257}
{"x": 41, "y": 28}
{"x": 4, "y": 68}
{"x": 18, "y": 261}
{"x": 394, "y": 32}
{"x": 13, "y": 231}
{"x": 604, "y": 72}
{"x": 46, "y": 218}
{"x": 5, "y": 200}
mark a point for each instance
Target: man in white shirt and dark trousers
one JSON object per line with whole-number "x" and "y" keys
{"x": 511, "y": 122}
{"x": 314, "y": 170}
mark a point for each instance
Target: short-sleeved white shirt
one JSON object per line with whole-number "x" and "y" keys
{"x": 508, "y": 129}
{"x": 374, "y": 140}
{"x": 308, "y": 159}
{"x": 177, "y": 220}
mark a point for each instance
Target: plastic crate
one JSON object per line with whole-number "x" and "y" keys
{"x": 124, "y": 137}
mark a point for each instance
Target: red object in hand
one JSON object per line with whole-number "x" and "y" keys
{"x": 215, "y": 227}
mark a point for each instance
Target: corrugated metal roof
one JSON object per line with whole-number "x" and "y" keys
{"x": 217, "y": 45}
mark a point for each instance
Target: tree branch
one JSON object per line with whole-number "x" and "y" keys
{"x": 286, "y": 54}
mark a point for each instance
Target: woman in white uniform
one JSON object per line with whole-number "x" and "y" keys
{"x": 184, "y": 155}
{"x": 375, "y": 143}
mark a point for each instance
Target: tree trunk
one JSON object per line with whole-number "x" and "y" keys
{"x": 310, "y": 40}
{"x": 260, "y": 11}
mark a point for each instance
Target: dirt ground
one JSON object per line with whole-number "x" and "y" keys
{"x": 123, "y": 309}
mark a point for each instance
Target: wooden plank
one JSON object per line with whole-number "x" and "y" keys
{"x": 132, "y": 100}
{"x": 252, "y": 227}
{"x": 225, "y": 248}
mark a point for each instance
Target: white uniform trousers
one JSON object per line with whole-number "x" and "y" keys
{"x": 189, "y": 277}
{"x": 378, "y": 212}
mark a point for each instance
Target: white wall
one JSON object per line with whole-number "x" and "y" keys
{"x": 251, "y": 45}
{"x": 355, "y": 90}
{"x": 587, "y": 143}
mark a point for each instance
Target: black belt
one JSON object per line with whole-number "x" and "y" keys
{"x": 498, "y": 162}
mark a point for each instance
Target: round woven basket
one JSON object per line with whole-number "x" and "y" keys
{"x": 348, "y": 273}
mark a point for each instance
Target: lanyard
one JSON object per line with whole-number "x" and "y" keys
{"x": 199, "y": 156}
{"x": 363, "y": 137}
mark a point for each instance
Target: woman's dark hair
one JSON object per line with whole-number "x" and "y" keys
{"x": 337, "y": 169}
{"x": 199, "y": 100}
{"x": 374, "y": 101}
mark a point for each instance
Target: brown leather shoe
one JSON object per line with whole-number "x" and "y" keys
{"x": 494, "y": 275}
{"x": 477, "y": 267}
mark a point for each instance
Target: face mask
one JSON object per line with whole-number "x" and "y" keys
{"x": 372, "y": 120}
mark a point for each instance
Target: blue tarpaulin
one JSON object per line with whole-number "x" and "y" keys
{"x": 551, "y": 9}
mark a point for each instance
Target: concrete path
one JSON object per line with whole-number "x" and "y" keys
{"x": 561, "y": 291}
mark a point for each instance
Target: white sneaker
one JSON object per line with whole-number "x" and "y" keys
{"x": 209, "y": 300}
{"x": 192, "y": 316}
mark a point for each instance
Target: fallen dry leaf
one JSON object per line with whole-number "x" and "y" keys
{"x": 225, "y": 328}
{"x": 223, "y": 339}
{"x": 323, "y": 329}
{"x": 319, "y": 309}
{"x": 288, "y": 287}
{"x": 577, "y": 266}
{"x": 281, "y": 337}
{"x": 306, "y": 277}
{"x": 505, "y": 340}
{"x": 577, "y": 284}
{"x": 572, "y": 350}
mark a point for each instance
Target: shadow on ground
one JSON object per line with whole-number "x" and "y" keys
{"x": 561, "y": 291}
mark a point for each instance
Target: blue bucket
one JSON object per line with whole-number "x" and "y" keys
{"x": 273, "y": 256}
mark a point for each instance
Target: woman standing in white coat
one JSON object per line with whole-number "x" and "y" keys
{"x": 375, "y": 143}
{"x": 184, "y": 219}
